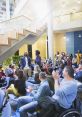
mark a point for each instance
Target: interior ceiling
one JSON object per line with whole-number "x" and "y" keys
{"x": 40, "y": 9}
{"x": 62, "y": 7}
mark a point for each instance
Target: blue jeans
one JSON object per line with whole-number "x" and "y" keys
{"x": 6, "y": 111}
{"x": 17, "y": 103}
{"x": 24, "y": 109}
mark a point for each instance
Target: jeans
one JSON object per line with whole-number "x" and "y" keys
{"x": 6, "y": 111}
{"x": 24, "y": 109}
{"x": 25, "y": 104}
{"x": 17, "y": 103}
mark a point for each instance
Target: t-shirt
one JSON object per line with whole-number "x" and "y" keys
{"x": 26, "y": 60}
{"x": 13, "y": 90}
{"x": 66, "y": 93}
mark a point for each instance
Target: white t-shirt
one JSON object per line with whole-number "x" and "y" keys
{"x": 26, "y": 62}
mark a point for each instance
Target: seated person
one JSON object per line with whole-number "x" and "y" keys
{"x": 2, "y": 74}
{"x": 78, "y": 74}
{"x": 10, "y": 76}
{"x": 36, "y": 79}
{"x": 51, "y": 83}
{"x": 36, "y": 69}
{"x": 65, "y": 92}
{"x": 18, "y": 88}
{"x": 5, "y": 109}
{"x": 43, "y": 90}
{"x": 19, "y": 74}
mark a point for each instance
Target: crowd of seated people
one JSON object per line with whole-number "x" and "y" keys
{"x": 48, "y": 81}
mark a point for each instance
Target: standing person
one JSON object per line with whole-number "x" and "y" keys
{"x": 25, "y": 61}
{"x": 38, "y": 58}
{"x": 25, "y": 64}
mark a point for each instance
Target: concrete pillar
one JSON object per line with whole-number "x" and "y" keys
{"x": 8, "y": 9}
{"x": 50, "y": 37}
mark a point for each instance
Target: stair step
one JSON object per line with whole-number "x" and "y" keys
{"x": 3, "y": 48}
{"x": 3, "y": 40}
{"x": 12, "y": 34}
{"x": 12, "y": 41}
{"x": 20, "y": 36}
{"x": 25, "y": 31}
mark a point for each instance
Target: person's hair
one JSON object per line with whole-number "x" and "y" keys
{"x": 37, "y": 78}
{"x": 25, "y": 54}
{"x": 42, "y": 75}
{"x": 20, "y": 86}
{"x": 37, "y": 68}
{"x": 37, "y": 52}
{"x": 20, "y": 74}
{"x": 70, "y": 71}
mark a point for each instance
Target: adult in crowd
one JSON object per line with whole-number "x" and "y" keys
{"x": 43, "y": 90}
{"x": 38, "y": 58}
{"x": 64, "y": 96}
{"x": 25, "y": 64}
{"x": 78, "y": 74}
{"x": 20, "y": 74}
{"x": 25, "y": 61}
{"x": 10, "y": 78}
{"x": 2, "y": 76}
{"x": 78, "y": 56}
{"x": 74, "y": 61}
{"x": 17, "y": 89}
{"x": 5, "y": 109}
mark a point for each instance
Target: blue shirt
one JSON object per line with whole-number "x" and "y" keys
{"x": 43, "y": 90}
{"x": 78, "y": 76}
{"x": 66, "y": 93}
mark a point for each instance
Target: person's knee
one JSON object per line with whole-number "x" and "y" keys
{"x": 13, "y": 105}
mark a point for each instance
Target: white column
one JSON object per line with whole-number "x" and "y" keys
{"x": 50, "y": 36}
{"x": 8, "y": 9}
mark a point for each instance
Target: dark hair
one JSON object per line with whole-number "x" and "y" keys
{"x": 37, "y": 52}
{"x": 42, "y": 75}
{"x": 20, "y": 86}
{"x": 20, "y": 74}
{"x": 37, "y": 78}
{"x": 70, "y": 71}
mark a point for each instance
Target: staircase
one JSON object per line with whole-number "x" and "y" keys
{"x": 12, "y": 40}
